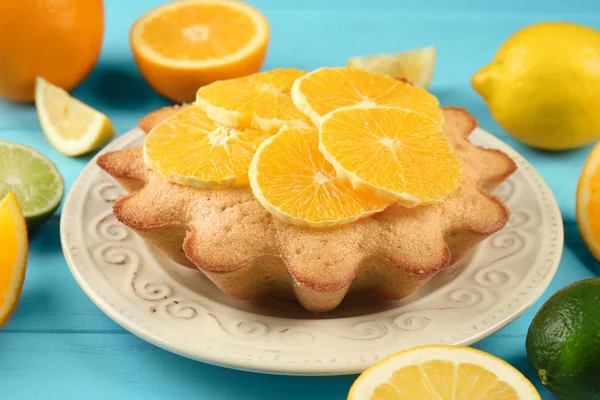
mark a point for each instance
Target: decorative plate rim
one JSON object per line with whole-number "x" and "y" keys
{"x": 265, "y": 360}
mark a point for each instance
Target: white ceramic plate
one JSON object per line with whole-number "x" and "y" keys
{"x": 179, "y": 310}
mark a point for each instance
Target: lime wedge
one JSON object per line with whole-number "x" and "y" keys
{"x": 33, "y": 179}
{"x": 416, "y": 66}
{"x": 72, "y": 127}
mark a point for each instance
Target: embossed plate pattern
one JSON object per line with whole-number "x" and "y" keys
{"x": 179, "y": 310}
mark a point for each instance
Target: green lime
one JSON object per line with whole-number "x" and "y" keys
{"x": 33, "y": 179}
{"x": 563, "y": 342}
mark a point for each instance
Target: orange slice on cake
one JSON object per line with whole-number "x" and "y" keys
{"x": 326, "y": 89}
{"x": 391, "y": 151}
{"x": 185, "y": 44}
{"x": 13, "y": 255}
{"x": 290, "y": 177}
{"x": 193, "y": 150}
{"x": 260, "y": 101}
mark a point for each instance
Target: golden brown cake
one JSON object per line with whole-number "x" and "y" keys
{"x": 248, "y": 253}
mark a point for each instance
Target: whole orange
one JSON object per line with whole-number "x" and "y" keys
{"x": 59, "y": 40}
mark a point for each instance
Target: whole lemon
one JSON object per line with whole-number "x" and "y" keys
{"x": 59, "y": 40}
{"x": 543, "y": 85}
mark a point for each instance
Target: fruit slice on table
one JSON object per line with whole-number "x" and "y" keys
{"x": 72, "y": 127}
{"x": 391, "y": 151}
{"x": 260, "y": 101}
{"x": 183, "y": 45}
{"x": 191, "y": 149}
{"x": 293, "y": 181}
{"x": 326, "y": 89}
{"x": 442, "y": 373}
{"x": 588, "y": 202}
{"x": 416, "y": 66}
{"x": 33, "y": 178}
{"x": 13, "y": 248}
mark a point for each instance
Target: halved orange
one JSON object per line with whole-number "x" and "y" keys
{"x": 13, "y": 255}
{"x": 193, "y": 150}
{"x": 293, "y": 181}
{"x": 326, "y": 89}
{"x": 260, "y": 101}
{"x": 185, "y": 44}
{"x": 393, "y": 152}
{"x": 588, "y": 202}
{"x": 442, "y": 373}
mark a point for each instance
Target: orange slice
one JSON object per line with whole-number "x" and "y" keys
{"x": 391, "y": 151}
{"x": 13, "y": 251}
{"x": 326, "y": 89}
{"x": 191, "y": 149}
{"x": 185, "y": 44}
{"x": 588, "y": 202}
{"x": 442, "y": 373}
{"x": 293, "y": 181}
{"x": 260, "y": 101}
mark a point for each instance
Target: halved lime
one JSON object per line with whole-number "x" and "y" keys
{"x": 33, "y": 179}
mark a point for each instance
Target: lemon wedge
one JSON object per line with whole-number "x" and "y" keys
{"x": 416, "y": 66}
{"x": 72, "y": 127}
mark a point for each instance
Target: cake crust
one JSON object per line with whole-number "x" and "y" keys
{"x": 247, "y": 252}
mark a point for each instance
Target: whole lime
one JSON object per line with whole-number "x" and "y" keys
{"x": 543, "y": 84}
{"x": 563, "y": 342}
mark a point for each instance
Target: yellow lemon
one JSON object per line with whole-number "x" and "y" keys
{"x": 543, "y": 85}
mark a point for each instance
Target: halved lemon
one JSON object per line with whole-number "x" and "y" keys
{"x": 13, "y": 255}
{"x": 416, "y": 65}
{"x": 293, "y": 181}
{"x": 191, "y": 149}
{"x": 72, "y": 127}
{"x": 261, "y": 101}
{"x": 442, "y": 373}
{"x": 393, "y": 152}
{"x": 326, "y": 89}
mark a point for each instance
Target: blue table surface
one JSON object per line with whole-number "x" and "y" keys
{"x": 58, "y": 345}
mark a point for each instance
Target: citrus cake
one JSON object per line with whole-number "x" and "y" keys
{"x": 311, "y": 185}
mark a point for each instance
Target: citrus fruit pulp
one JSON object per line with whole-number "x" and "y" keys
{"x": 183, "y": 45}
{"x": 391, "y": 151}
{"x": 72, "y": 127}
{"x": 34, "y": 180}
{"x": 442, "y": 373}
{"x": 191, "y": 149}
{"x": 293, "y": 181}
{"x": 416, "y": 66}
{"x": 260, "y": 101}
{"x": 326, "y": 89}
{"x": 13, "y": 248}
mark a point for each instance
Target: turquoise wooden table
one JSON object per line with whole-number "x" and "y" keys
{"x": 58, "y": 345}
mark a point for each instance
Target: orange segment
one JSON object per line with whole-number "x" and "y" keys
{"x": 13, "y": 251}
{"x": 442, "y": 373}
{"x": 292, "y": 179}
{"x": 394, "y": 152}
{"x": 260, "y": 101}
{"x": 326, "y": 89}
{"x": 183, "y": 45}
{"x": 191, "y": 149}
{"x": 588, "y": 202}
